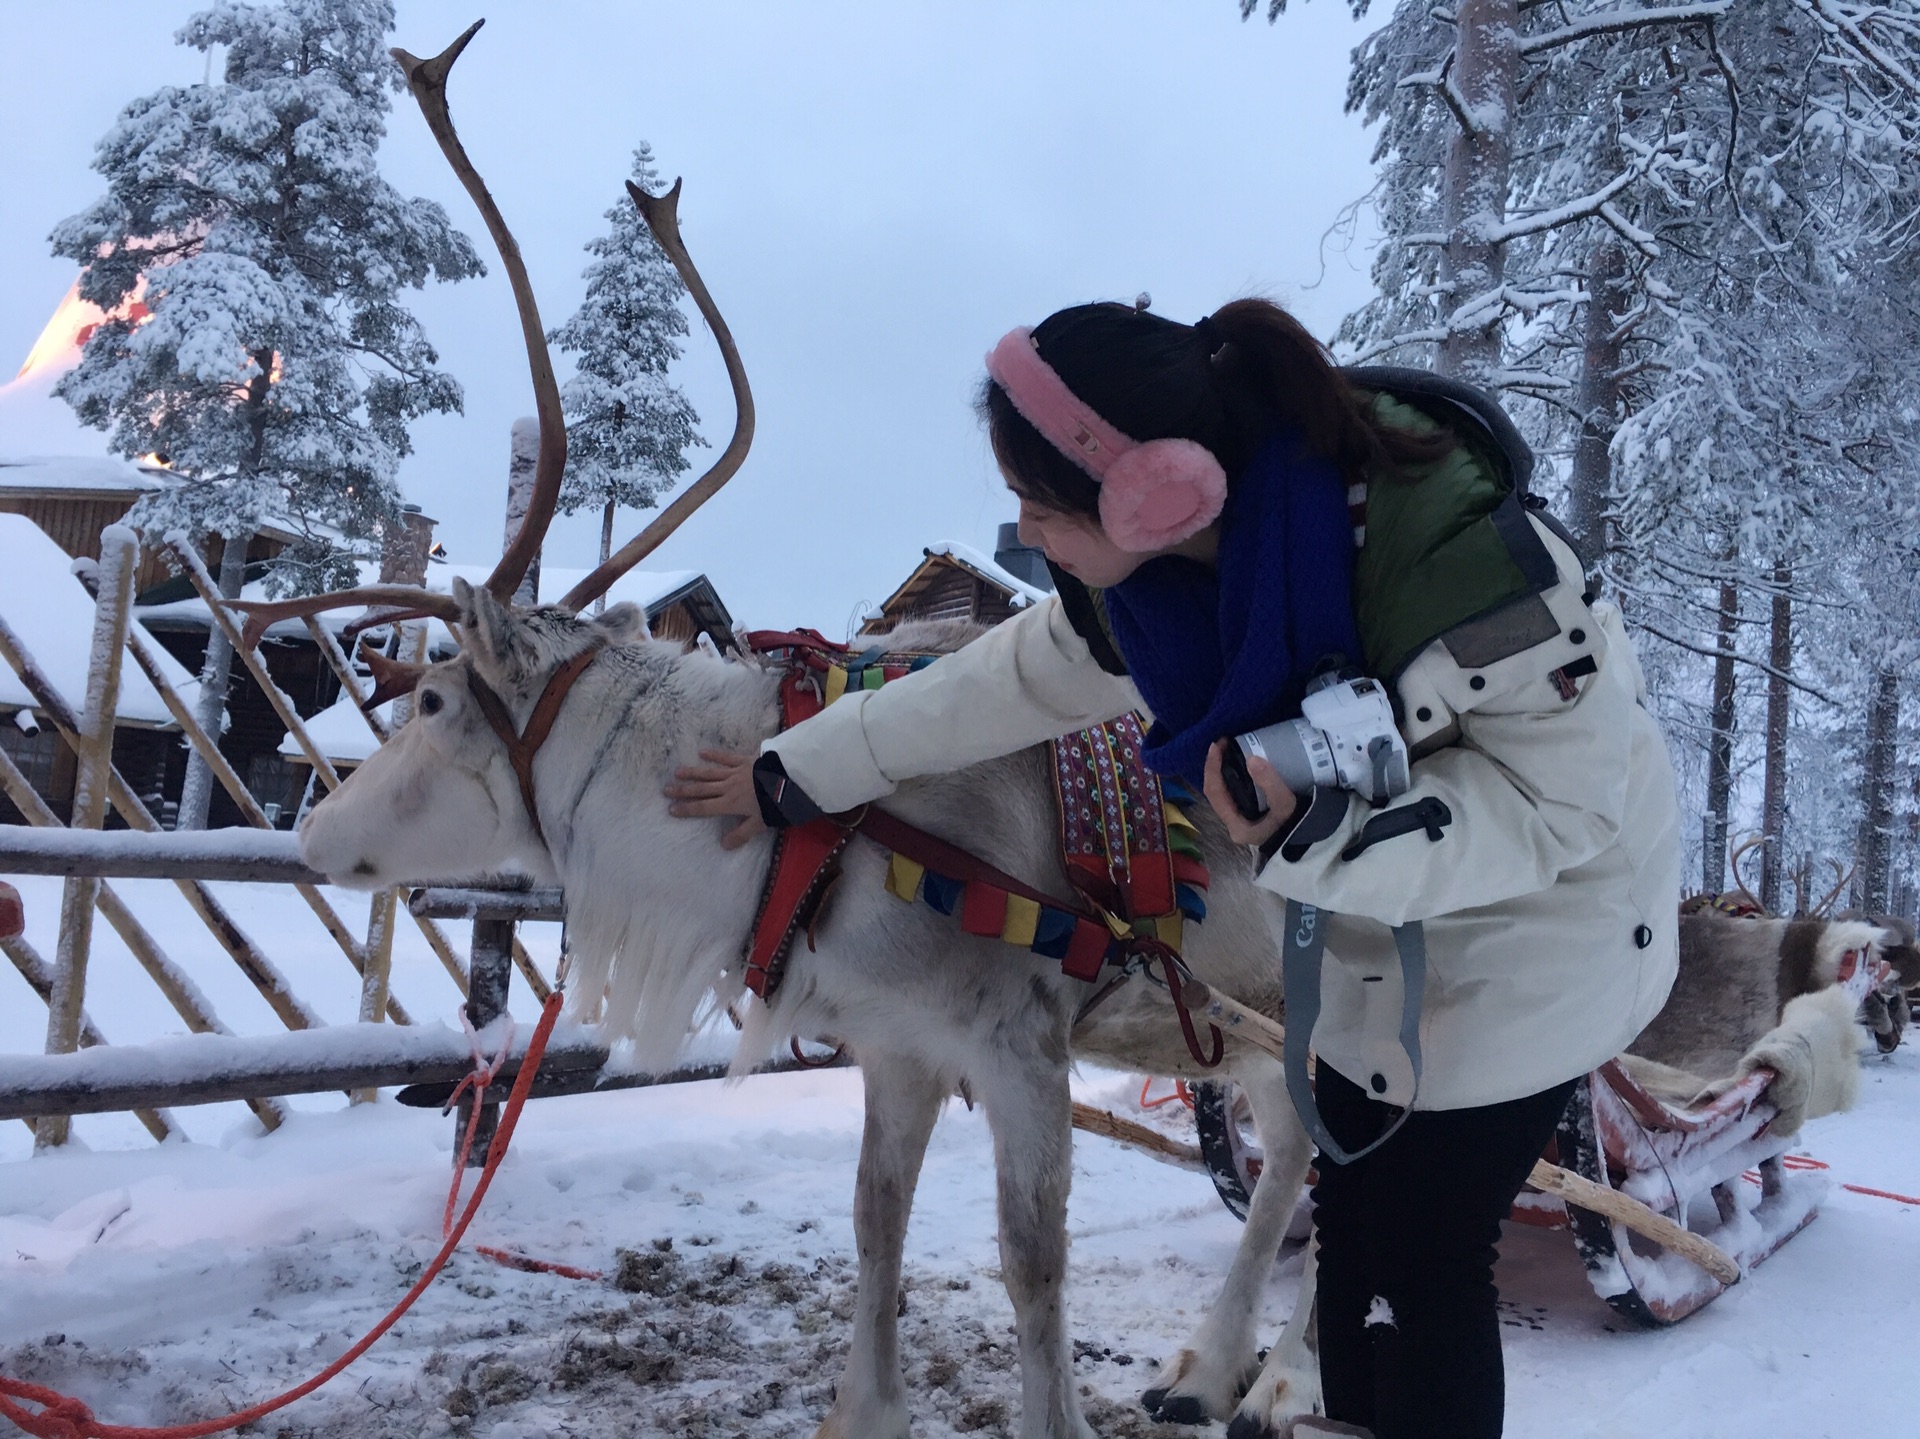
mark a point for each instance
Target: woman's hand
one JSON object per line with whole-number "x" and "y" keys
{"x": 722, "y": 786}
{"x": 1281, "y": 801}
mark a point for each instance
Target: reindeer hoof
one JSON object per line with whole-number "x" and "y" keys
{"x": 1250, "y": 1426}
{"x": 1166, "y": 1407}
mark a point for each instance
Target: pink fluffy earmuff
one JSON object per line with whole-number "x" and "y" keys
{"x": 1152, "y": 494}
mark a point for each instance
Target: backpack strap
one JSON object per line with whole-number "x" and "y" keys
{"x": 1445, "y": 400}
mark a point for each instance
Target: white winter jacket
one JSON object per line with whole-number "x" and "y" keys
{"x": 1549, "y": 901}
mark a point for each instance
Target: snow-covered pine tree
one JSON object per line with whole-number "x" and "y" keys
{"x": 1658, "y": 221}
{"x": 276, "y": 367}
{"x": 628, "y": 429}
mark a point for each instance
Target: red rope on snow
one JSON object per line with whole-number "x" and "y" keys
{"x": 1807, "y": 1161}
{"x": 482, "y": 1076}
{"x": 61, "y": 1416}
{"x": 1181, "y": 1092}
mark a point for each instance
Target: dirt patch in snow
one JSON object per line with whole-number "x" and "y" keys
{"x": 685, "y": 1340}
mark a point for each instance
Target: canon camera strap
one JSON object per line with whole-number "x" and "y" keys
{"x": 1301, "y": 960}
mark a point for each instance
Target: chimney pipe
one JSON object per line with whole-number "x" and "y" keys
{"x": 1023, "y": 562}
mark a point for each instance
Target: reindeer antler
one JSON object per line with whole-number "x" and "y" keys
{"x": 1843, "y": 874}
{"x": 1733, "y": 863}
{"x": 427, "y": 79}
{"x": 662, "y": 214}
{"x": 389, "y": 603}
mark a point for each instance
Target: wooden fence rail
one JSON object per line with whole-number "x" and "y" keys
{"x": 86, "y": 858}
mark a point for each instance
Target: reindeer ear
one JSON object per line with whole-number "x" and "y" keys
{"x": 623, "y": 623}
{"x": 489, "y": 626}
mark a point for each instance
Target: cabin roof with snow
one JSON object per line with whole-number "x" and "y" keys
{"x": 954, "y": 581}
{"x": 52, "y": 612}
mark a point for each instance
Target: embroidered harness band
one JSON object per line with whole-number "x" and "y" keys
{"x": 1127, "y": 848}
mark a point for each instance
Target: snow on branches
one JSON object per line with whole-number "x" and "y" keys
{"x": 628, "y": 429}
{"x": 277, "y": 369}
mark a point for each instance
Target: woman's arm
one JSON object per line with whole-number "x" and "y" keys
{"x": 1029, "y": 679}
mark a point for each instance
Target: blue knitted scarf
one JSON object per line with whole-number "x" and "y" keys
{"x": 1218, "y": 651}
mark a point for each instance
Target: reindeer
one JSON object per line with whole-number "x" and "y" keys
{"x": 545, "y": 746}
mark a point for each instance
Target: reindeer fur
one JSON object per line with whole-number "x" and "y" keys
{"x": 659, "y": 913}
{"x": 1737, "y": 976}
{"x": 1814, "y": 1053}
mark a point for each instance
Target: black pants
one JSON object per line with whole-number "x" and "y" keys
{"x": 1409, "y": 1332}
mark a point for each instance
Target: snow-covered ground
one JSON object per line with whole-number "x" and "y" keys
{"x": 162, "y": 1282}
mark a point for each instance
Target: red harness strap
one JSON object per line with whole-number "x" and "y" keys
{"x": 805, "y": 856}
{"x": 806, "y": 862}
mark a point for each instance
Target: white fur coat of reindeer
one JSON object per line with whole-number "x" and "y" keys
{"x": 659, "y": 913}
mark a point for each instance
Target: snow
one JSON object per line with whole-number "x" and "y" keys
{"x": 105, "y": 474}
{"x": 340, "y": 731}
{"x": 1023, "y": 593}
{"x": 138, "y": 847}
{"x": 52, "y": 613}
{"x": 186, "y": 1059}
{"x": 33, "y": 422}
{"x": 162, "y": 1281}
{"x": 645, "y": 588}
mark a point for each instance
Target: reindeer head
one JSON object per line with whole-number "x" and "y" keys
{"x": 444, "y": 797}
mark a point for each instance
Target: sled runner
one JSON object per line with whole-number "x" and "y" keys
{"x": 1716, "y": 1170}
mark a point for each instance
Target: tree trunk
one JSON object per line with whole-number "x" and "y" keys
{"x": 1876, "y": 801}
{"x": 1598, "y": 401}
{"x": 1773, "y": 818}
{"x": 524, "y": 456}
{"x": 196, "y": 793}
{"x": 1713, "y": 856}
{"x": 1486, "y": 61}
{"x": 606, "y": 549}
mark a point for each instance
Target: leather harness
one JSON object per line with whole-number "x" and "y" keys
{"x": 804, "y": 865}
{"x": 523, "y": 745}
{"x": 806, "y": 856}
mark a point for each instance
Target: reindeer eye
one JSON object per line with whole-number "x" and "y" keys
{"x": 431, "y": 703}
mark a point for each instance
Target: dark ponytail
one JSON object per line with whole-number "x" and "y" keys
{"x": 1231, "y": 382}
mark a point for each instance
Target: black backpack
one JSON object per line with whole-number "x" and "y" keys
{"x": 1449, "y": 402}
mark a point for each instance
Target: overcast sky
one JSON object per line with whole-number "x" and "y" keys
{"x": 874, "y": 192}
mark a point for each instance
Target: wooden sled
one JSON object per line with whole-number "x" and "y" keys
{"x": 1716, "y": 1171}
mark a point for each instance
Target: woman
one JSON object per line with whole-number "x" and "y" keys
{"x": 1289, "y": 521}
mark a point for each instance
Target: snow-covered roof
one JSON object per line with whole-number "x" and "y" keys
{"x": 52, "y": 613}
{"x": 647, "y": 588}
{"x": 33, "y": 421}
{"x": 1023, "y": 593}
{"x": 342, "y": 735}
{"x": 103, "y": 474}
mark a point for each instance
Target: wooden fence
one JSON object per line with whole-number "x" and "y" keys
{"x": 211, "y": 1064}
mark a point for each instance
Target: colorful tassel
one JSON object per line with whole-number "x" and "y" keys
{"x": 903, "y": 878}
{"x": 1023, "y": 921}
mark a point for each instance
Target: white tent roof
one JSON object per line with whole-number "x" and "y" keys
{"x": 51, "y": 611}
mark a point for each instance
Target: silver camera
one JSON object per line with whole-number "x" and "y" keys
{"x": 1344, "y": 739}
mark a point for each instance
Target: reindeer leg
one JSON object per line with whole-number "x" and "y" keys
{"x": 1289, "y": 1382}
{"x": 903, "y": 1101}
{"x": 1031, "y": 1114}
{"x": 1205, "y": 1379}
